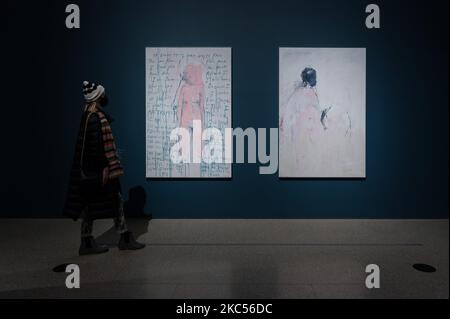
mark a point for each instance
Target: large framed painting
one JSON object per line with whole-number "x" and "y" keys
{"x": 322, "y": 112}
{"x": 187, "y": 89}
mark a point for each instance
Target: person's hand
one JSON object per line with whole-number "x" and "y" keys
{"x": 105, "y": 176}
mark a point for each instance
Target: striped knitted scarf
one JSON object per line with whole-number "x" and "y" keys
{"x": 114, "y": 165}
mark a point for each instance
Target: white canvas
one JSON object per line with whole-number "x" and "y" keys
{"x": 322, "y": 112}
{"x": 184, "y": 85}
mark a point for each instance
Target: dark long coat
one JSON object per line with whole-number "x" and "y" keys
{"x": 92, "y": 200}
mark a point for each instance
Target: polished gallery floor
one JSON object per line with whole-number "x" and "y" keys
{"x": 228, "y": 259}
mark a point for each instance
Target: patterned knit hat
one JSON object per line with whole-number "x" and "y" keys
{"x": 92, "y": 91}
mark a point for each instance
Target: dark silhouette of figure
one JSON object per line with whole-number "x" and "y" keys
{"x": 94, "y": 188}
{"x": 135, "y": 204}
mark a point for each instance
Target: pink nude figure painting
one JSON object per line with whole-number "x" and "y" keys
{"x": 190, "y": 108}
{"x": 188, "y": 90}
{"x": 191, "y": 101}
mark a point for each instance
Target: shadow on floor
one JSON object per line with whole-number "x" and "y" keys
{"x": 138, "y": 226}
{"x": 137, "y": 220}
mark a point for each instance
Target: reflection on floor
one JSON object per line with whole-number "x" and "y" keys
{"x": 229, "y": 259}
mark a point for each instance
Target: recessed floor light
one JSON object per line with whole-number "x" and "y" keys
{"x": 60, "y": 268}
{"x": 424, "y": 268}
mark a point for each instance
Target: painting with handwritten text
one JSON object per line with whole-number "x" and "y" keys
{"x": 184, "y": 87}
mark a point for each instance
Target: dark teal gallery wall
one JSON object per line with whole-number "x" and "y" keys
{"x": 407, "y": 101}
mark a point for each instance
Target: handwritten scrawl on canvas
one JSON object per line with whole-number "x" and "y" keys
{"x": 184, "y": 85}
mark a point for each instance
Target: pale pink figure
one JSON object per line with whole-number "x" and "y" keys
{"x": 301, "y": 131}
{"x": 301, "y": 115}
{"x": 191, "y": 107}
{"x": 191, "y": 101}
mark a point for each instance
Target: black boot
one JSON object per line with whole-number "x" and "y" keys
{"x": 127, "y": 242}
{"x": 89, "y": 247}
